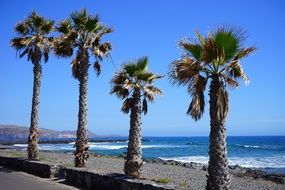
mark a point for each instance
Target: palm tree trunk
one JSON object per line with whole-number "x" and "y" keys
{"x": 33, "y": 138}
{"x": 81, "y": 154}
{"x": 133, "y": 161}
{"x": 218, "y": 173}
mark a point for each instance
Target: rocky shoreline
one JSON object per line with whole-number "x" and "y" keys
{"x": 235, "y": 170}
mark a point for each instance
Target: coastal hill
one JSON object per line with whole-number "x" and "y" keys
{"x": 10, "y": 132}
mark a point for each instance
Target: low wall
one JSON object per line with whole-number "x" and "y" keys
{"x": 37, "y": 168}
{"x": 83, "y": 177}
{"x": 92, "y": 180}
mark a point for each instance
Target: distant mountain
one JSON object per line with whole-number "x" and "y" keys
{"x": 19, "y": 132}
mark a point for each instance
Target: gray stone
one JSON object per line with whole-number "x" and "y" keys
{"x": 92, "y": 180}
{"x": 37, "y": 168}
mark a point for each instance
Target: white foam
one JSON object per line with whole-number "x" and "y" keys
{"x": 106, "y": 147}
{"x": 188, "y": 159}
{"x": 112, "y": 146}
{"x": 159, "y": 146}
{"x": 259, "y": 162}
{"x": 21, "y": 145}
{"x": 251, "y": 146}
{"x": 252, "y": 162}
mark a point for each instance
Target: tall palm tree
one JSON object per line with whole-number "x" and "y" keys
{"x": 215, "y": 58}
{"x": 34, "y": 40}
{"x": 131, "y": 83}
{"x": 82, "y": 33}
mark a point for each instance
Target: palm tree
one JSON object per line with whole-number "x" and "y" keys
{"x": 215, "y": 58}
{"x": 34, "y": 40}
{"x": 82, "y": 33}
{"x": 131, "y": 83}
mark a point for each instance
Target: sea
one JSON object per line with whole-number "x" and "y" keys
{"x": 262, "y": 152}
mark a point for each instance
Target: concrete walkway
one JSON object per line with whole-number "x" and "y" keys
{"x": 14, "y": 180}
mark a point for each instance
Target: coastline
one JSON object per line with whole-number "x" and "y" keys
{"x": 186, "y": 175}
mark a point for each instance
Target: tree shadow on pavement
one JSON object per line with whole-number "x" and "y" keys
{"x": 5, "y": 170}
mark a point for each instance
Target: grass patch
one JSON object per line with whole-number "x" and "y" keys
{"x": 184, "y": 184}
{"x": 17, "y": 154}
{"x": 164, "y": 180}
{"x": 68, "y": 165}
{"x": 42, "y": 158}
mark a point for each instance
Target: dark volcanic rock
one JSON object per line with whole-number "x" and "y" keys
{"x": 235, "y": 170}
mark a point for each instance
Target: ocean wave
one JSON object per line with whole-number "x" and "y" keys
{"x": 188, "y": 159}
{"x": 251, "y": 162}
{"x": 21, "y": 145}
{"x": 251, "y": 146}
{"x": 95, "y": 146}
{"x": 104, "y": 146}
{"x": 160, "y": 146}
{"x": 260, "y": 147}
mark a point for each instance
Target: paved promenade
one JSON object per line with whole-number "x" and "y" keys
{"x": 14, "y": 180}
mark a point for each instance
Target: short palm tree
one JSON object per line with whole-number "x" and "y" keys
{"x": 81, "y": 36}
{"x": 215, "y": 58}
{"x": 34, "y": 40}
{"x": 132, "y": 83}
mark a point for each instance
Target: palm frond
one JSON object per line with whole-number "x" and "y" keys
{"x": 102, "y": 50}
{"x": 130, "y": 69}
{"x": 144, "y": 106}
{"x": 34, "y": 40}
{"x": 22, "y": 28}
{"x": 245, "y": 52}
{"x": 127, "y": 105}
{"x": 235, "y": 70}
{"x": 97, "y": 68}
{"x": 196, "y": 107}
{"x": 150, "y": 92}
{"x": 36, "y": 20}
{"x": 75, "y": 68}
{"x": 120, "y": 78}
{"x": 209, "y": 51}
{"x": 200, "y": 38}
{"x": 134, "y": 78}
{"x": 231, "y": 82}
{"x": 228, "y": 39}
{"x": 22, "y": 54}
{"x": 142, "y": 64}
{"x": 149, "y": 96}
{"x": 30, "y": 53}
{"x": 47, "y": 26}
{"x": 120, "y": 91}
{"x": 194, "y": 50}
{"x": 92, "y": 24}
{"x": 107, "y": 30}
{"x": 196, "y": 88}
{"x": 79, "y": 19}
{"x": 46, "y": 54}
{"x": 20, "y": 43}
{"x": 148, "y": 77}
{"x": 197, "y": 84}
{"x": 63, "y": 48}
{"x": 64, "y": 27}
{"x": 223, "y": 103}
{"x": 182, "y": 70}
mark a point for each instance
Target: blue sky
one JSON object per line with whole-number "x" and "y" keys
{"x": 150, "y": 28}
